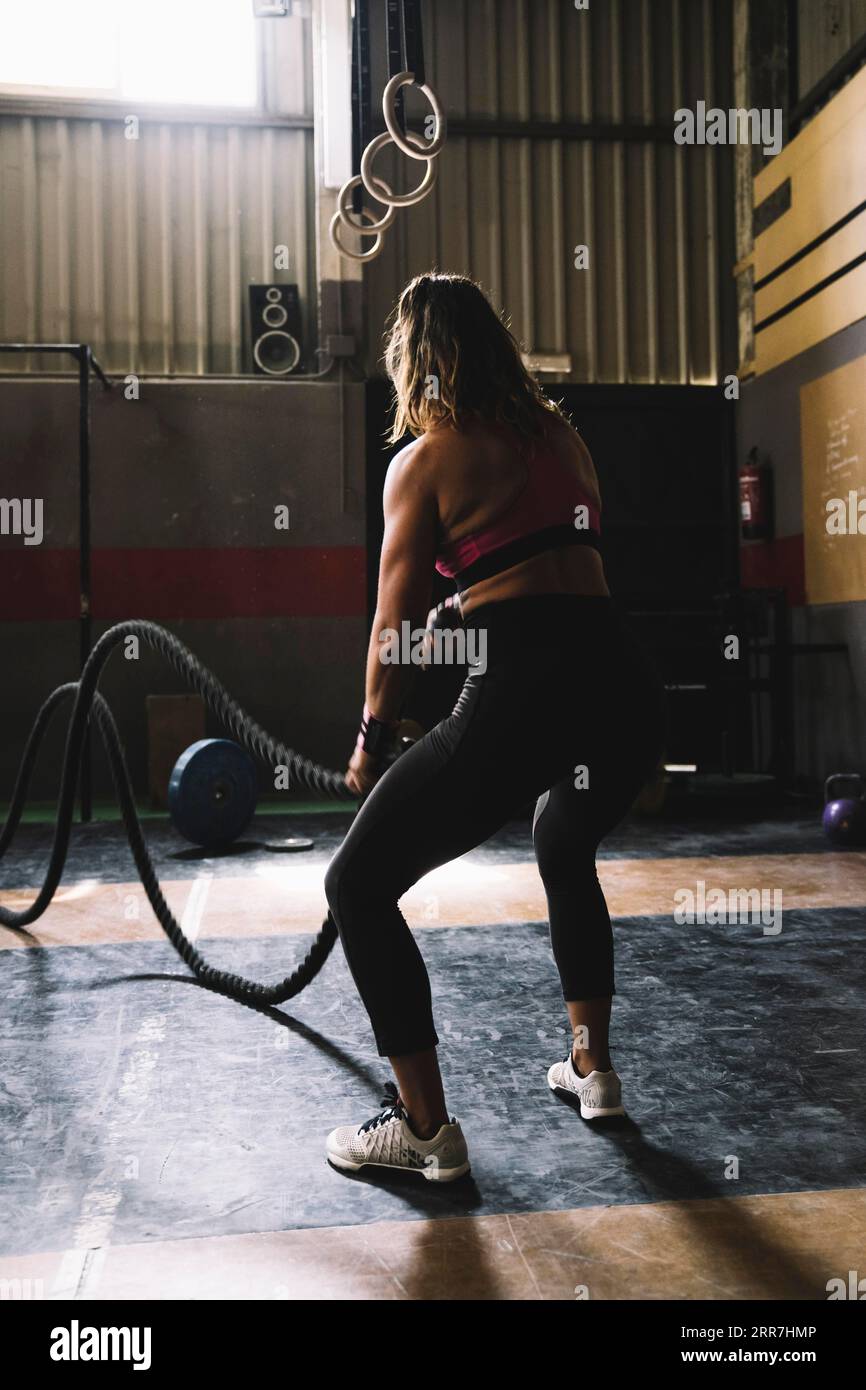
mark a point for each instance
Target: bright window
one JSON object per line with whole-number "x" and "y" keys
{"x": 170, "y": 51}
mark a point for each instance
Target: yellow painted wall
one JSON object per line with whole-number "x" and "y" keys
{"x": 833, "y": 434}
{"x": 826, "y": 164}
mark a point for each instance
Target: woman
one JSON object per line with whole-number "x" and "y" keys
{"x": 498, "y": 492}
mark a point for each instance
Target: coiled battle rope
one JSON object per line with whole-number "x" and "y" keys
{"x": 87, "y": 699}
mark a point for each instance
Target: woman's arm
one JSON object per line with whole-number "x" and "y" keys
{"x": 405, "y": 585}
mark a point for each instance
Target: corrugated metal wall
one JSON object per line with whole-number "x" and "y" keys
{"x": 144, "y": 248}
{"x": 656, "y": 305}
{"x": 826, "y": 30}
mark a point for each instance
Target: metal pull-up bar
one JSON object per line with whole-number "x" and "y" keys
{"x": 84, "y": 356}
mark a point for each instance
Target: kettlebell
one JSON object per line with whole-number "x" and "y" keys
{"x": 844, "y": 817}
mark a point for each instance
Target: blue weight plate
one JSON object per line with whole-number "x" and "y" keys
{"x": 212, "y": 792}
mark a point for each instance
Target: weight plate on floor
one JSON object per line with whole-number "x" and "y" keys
{"x": 212, "y": 792}
{"x": 289, "y": 845}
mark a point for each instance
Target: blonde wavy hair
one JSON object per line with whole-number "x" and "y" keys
{"x": 449, "y": 356}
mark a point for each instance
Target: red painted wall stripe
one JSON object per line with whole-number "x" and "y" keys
{"x": 779, "y": 564}
{"x": 38, "y": 585}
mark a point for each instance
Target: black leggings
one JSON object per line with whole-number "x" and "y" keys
{"x": 565, "y": 687}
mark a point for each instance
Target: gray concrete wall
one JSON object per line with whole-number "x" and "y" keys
{"x": 184, "y": 485}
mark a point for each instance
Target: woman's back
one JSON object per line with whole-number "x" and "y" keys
{"x": 489, "y": 478}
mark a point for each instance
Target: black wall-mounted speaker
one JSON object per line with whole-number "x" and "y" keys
{"x": 275, "y": 329}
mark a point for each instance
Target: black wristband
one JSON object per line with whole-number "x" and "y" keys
{"x": 377, "y": 736}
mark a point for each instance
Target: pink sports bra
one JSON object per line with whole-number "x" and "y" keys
{"x": 551, "y": 510}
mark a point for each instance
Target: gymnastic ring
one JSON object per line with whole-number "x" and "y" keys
{"x": 346, "y": 213}
{"x": 375, "y": 186}
{"x": 389, "y": 102}
{"x": 374, "y": 250}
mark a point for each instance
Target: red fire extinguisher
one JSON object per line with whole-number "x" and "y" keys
{"x": 756, "y": 498}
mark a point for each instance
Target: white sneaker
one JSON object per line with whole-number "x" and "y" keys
{"x": 386, "y": 1141}
{"x": 600, "y": 1093}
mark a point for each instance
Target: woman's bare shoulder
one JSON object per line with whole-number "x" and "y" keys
{"x": 563, "y": 434}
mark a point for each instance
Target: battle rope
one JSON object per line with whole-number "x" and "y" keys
{"x": 301, "y": 770}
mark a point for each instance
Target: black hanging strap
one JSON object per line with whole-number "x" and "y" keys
{"x": 405, "y": 46}
{"x": 413, "y": 40}
{"x": 361, "y": 111}
{"x": 396, "y": 53}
